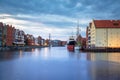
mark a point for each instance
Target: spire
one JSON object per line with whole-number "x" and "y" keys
{"x": 49, "y": 39}
{"x": 78, "y": 30}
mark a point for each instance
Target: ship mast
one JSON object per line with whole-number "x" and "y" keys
{"x": 78, "y": 29}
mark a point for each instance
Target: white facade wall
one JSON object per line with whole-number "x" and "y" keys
{"x": 108, "y": 37}
{"x": 93, "y": 35}
{"x": 104, "y": 37}
{"x": 19, "y": 37}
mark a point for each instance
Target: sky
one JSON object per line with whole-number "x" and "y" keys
{"x": 56, "y": 17}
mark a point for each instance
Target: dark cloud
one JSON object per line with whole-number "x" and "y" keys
{"x": 60, "y": 7}
{"x": 77, "y": 9}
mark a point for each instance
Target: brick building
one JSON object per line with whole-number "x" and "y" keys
{"x": 29, "y": 40}
{"x": 10, "y": 35}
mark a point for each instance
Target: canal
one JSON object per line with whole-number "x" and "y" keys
{"x": 56, "y": 63}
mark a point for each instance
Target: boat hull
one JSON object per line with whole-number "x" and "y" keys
{"x": 70, "y": 47}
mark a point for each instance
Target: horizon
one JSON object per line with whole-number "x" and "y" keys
{"x": 59, "y": 18}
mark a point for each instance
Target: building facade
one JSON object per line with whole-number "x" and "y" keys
{"x": 40, "y": 40}
{"x": 1, "y": 33}
{"x": 4, "y": 34}
{"x": 10, "y": 35}
{"x": 104, "y": 34}
{"x": 29, "y": 40}
{"x": 19, "y": 37}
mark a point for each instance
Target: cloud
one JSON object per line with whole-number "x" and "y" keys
{"x": 58, "y": 17}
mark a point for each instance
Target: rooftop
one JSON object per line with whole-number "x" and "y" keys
{"x": 107, "y": 23}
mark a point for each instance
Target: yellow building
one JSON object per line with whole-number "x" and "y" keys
{"x": 104, "y": 34}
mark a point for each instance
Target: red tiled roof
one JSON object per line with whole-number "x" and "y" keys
{"x": 107, "y": 23}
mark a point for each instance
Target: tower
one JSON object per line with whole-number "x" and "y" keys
{"x": 78, "y": 30}
{"x": 49, "y": 39}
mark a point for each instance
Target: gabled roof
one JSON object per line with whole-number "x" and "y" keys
{"x": 107, "y": 23}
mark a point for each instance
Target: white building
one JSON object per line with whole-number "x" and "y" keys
{"x": 19, "y": 37}
{"x": 104, "y": 34}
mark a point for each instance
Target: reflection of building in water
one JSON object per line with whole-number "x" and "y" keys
{"x": 33, "y": 49}
{"x": 46, "y": 53}
{"x": 113, "y": 57}
{"x": 20, "y": 53}
{"x": 102, "y": 68}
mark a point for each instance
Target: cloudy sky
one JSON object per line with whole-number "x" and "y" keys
{"x": 58, "y": 17}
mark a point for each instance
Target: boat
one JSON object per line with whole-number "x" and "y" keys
{"x": 74, "y": 42}
{"x": 77, "y": 47}
{"x": 71, "y": 44}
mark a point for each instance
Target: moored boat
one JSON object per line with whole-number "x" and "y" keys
{"x": 71, "y": 44}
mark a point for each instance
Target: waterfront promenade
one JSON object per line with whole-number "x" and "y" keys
{"x": 56, "y": 63}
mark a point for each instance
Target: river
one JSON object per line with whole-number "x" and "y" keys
{"x": 57, "y": 63}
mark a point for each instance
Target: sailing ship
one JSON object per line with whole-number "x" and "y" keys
{"x": 74, "y": 43}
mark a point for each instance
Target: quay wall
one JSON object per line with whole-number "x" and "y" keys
{"x": 18, "y": 47}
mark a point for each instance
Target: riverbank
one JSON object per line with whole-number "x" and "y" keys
{"x": 19, "y": 47}
{"x": 101, "y": 50}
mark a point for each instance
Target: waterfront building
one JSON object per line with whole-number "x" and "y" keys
{"x": 79, "y": 39}
{"x": 103, "y": 34}
{"x": 10, "y": 36}
{"x": 1, "y": 33}
{"x": 46, "y": 42}
{"x": 36, "y": 41}
{"x": 4, "y": 34}
{"x": 56, "y": 43}
{"x": 88, "y": 36}
{"x": 63, "y": 43}
{"x": 83, "y": 42}
{"x": 19, "y": 37}
{"x": 30, "y": 40}
{"x": 40, "y": 40}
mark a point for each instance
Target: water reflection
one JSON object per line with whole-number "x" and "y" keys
{"x": 20, "y": 53}
{"x": 49, "y": 53}
{"x": 112, "y": 57}
{"x": 58, "y": 64}
{"x": 46, "y": 53}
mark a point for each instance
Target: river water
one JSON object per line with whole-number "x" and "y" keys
{"x": 56, "y": 63}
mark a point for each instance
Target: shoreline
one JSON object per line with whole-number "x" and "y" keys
{"x": 83, "y": 50}
{"x": 101, "y": 50}
{"x": 19, "y": 47}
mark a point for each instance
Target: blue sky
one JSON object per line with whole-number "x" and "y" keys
{"x": 58, "y": 17}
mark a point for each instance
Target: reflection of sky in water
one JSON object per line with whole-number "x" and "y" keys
{"x": 57, "y": 63}
{"x": 55, "y": 53}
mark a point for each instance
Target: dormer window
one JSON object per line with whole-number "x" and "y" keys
{"x": 115, "y": 24}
